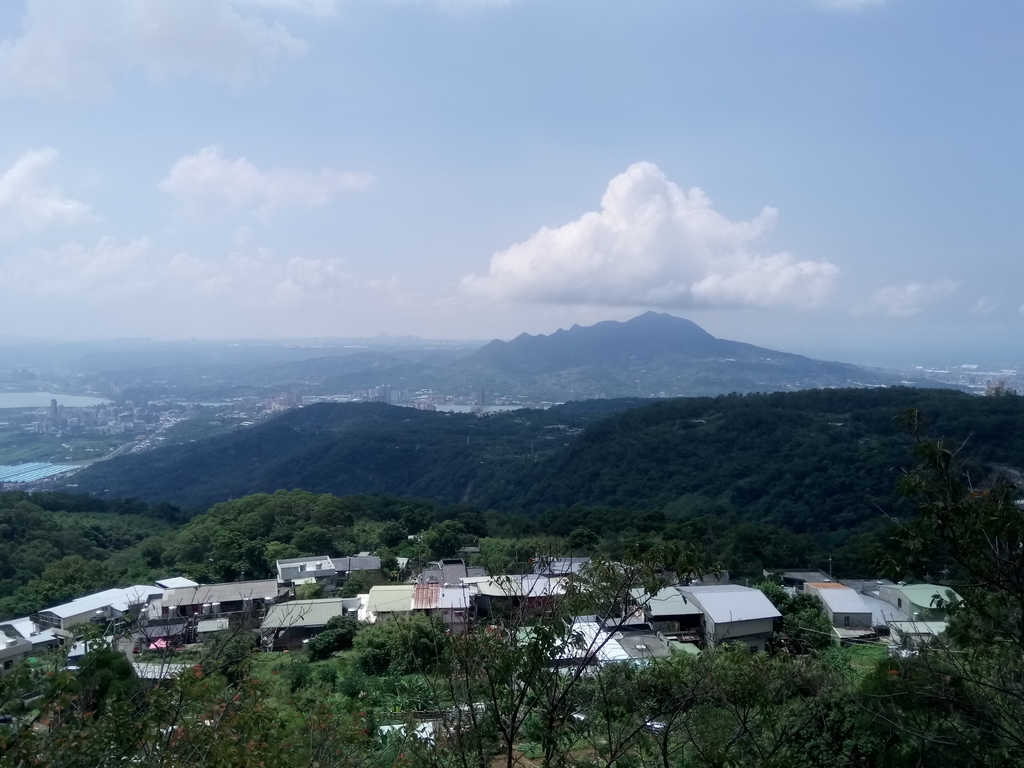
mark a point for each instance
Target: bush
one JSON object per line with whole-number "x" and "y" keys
{"x": 400, "y": 646}
{"x": 339, "y": 634}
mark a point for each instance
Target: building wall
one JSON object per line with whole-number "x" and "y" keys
{"x": 852, "y": 620}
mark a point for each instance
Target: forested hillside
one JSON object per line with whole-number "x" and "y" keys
{"x": 54, "y": 547}
{"x": 819, "y": 461}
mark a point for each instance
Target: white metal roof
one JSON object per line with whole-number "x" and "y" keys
{"x": 726, "y": 603}
{"x": 118, "y": 599}
{"x": 843, "y": 600}
{"x": 176, "y": 582}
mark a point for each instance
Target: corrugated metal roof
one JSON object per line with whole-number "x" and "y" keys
{"x": 840, "y": 599}
{"x": 302, "y": 567}
{"x": 726, "y": 603}
{"x": 425, "y": 596}
{"x": 457, "y": 598}
{"x": 390, "y": 598}
{"x": 305, "y": 613}
{"x": 118, "y": 599}
{"x": 357, "y": 563}
{"x": 34, "y": 470}
{"x": 228, "y": 592}
{"x": 924, "y": 594}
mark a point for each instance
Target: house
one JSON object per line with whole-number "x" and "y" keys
{"x": 914, "y": 634}
{"x": 668, "y": 611}
{"x": 449, "y": 571}
{"x": 920, "y": 602}
{"x": 100, "y": 607}
{"x": 457, "y": 607}
{"x": 498, "y": 594}
{"x": 26, "y": 629}
{"x": 12, "y": 651}
{"x": 347, "y": 566}
{"x": 731, "y": 613}
{"x": 844, "y": 606}
{"x": 389, "y": 600}
{"x": 287, "y": 625}
{"x": 796, "y": 579}
{"x": 308, "y": 570}
{"x": 546, "y": 565}
{"x": 213, "y": 600}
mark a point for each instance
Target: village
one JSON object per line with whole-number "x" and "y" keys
{"x": 177, "y": 614}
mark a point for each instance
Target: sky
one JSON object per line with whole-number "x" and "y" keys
{"x": 839, "y": 178}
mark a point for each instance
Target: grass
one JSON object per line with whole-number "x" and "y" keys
{"x": 864, "y": 658}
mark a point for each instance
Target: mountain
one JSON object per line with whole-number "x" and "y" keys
{"x": 652, "y": 354}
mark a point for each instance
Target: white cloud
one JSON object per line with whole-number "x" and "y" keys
{"x": 27, "y": 200}
{"x": 985, "y": 306}
{"x": 906, "y": 300}
{"x": 209, "y": 176}
{"x": 652, "y": 244}
{"x": 142, "y": 275}
{"x": 69, "y": 49}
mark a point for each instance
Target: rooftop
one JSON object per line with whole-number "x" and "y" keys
{"x": 840, "y": 599}
{"x": 390, "y": 598}
{"x": 176, "y": 582}
{"x": 730, "y": 602}
{"x": 118, "y": 599}
{"x": 229, "y": 592}
{"x": 925, "y": 594}
{"x": 308, "y": 613}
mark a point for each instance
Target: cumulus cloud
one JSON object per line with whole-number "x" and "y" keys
{"x": 27, "y": 200}
{"x": 210, "y": 176}
{"x": 906, "y": 300}
{"x": 68, "y": 49}
{"x": 652, "y": 244}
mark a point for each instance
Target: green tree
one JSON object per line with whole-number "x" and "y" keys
{"x": 444, "y": 539}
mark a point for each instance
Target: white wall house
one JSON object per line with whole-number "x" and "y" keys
{"x": 732, "y": 613}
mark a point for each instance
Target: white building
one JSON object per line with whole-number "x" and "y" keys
{"x": 844, "y": 606}
{"x": 732, "y": 613}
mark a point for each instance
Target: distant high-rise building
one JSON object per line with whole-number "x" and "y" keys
{"x": 481, "y": 397}
{"x": 999, "y": 389}
{"x": 54, "y": 413}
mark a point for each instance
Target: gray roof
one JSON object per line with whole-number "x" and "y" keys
{"x": 159, "y": 671}
{"x": 232, "y": 591}
{"x": 212, "y": 625}
{"x": 357, "y": 563}
{"x": 308, "y": 613}
{"x": 727, "y": 603}
{"x": 841, "y": 599}
{"x": 667, "y": 602}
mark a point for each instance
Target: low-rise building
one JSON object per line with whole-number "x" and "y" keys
{"x": 308, "y": 570}
{"x": 449, "y": 572}
{"x": 100, "y": 607}
{"x": 669, "y": 611}
{"x": 844, "y": 606}
{"x": 914, "y": 634}
{"x": 920, "y": 602}
{"x": 346, "y": 567}
{"x": 287, "y": 625}
{"x": 213, "y": 600}
{"x": 732, "y": 613}
{"x": 389, "y": 600}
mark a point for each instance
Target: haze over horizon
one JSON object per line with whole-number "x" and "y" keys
{"x": 836, "y": 178}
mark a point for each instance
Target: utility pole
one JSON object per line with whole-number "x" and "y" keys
{"x": 830, "y": 565}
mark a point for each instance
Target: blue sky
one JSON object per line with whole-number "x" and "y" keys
{"x": 835, "y": 178}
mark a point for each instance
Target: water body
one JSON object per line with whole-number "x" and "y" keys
{"x": 42, "y": 400}
{"x": 449, "y": 408}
